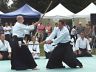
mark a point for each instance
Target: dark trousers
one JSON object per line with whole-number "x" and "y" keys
{"x": 21, "y": 58}
{"x": 47, "y": 55}
{"x": 84, "y": 53}
{"x": 63, "y": 53}
{"x": 5, "y": 55}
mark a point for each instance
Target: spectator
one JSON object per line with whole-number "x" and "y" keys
{"x": 7, "y": 32}
{"x": 34, "y": 47}
{"x": 40, "y": 31}
{"x": 82, "y": 46}
{"x": 74, "y": 33}
{"x": 5, "y": 49}
{"x": 48, "y": 28}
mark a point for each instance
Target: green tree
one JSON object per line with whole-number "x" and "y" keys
{"x": 41, "y": 5}
{"x": 3, "y": 5}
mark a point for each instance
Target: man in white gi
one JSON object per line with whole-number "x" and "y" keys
{"x": 19, "y": 27}
{"x": 63, "y": 51}
{"x": 21, "y": 56}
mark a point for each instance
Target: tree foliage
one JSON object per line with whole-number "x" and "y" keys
{"x": 3, "y": 5}
{"x": 41, "y": 5}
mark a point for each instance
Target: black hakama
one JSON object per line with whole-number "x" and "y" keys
{"x": 84, "y": 53}
{"x": 63, "y": 53}
{"x": 21, "y": 57}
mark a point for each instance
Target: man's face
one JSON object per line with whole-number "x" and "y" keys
{"x": 82, "y": 35}
{"x": 21, "y": 19}
{"x": 60, "y": 25}
{"x": 2, "y": 37}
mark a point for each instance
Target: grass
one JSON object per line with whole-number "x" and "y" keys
{"x": 42, "y": 50}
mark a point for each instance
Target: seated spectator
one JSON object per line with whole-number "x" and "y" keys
{"x": 5, "y": 49}
{"x": 74, "y": 33}
{"x": 7, "y": 32}
{"x": 82, "y": 46}
{"x": 34, "y": 47}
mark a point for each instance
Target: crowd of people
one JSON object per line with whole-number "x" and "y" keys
{"x": 21, "y": 44}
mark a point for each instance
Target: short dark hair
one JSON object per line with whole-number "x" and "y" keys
{"x": 62, "y": 21}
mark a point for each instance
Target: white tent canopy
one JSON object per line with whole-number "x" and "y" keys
{"x": 90, "y": 9}
{"x": 1, "y": 12}
{"x": 59, "y": 11}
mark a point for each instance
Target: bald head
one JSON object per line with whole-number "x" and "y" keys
{"x": 20, "y": 19}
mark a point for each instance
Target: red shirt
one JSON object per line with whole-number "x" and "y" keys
{"x": 40, "y": 27}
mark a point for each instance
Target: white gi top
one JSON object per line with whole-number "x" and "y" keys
{"x": 18, "y": 29}
{"x": 62, "y": 36}
{"x": 5, "y": 46}
{"x": 35, "y": 47}
{"x": 7, "y": 30}
{"x": 73, "y": 31}
{"x": 82, "y": 44}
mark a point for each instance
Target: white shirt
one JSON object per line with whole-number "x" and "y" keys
{"x": 18, "y": 29}
{"x": 82, "y": 44}
{"x": 33, "y": 47}
{"x": 73, "y": 31}
{"x": 27, "y": 32}
{"x": 5, "y": 46}
{"x": 62, "y": 35}
{"x": 7, "y": 30}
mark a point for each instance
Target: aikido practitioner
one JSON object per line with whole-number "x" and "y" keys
{"x": 21, "y": 56}
{"x": 63, "y": 51}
